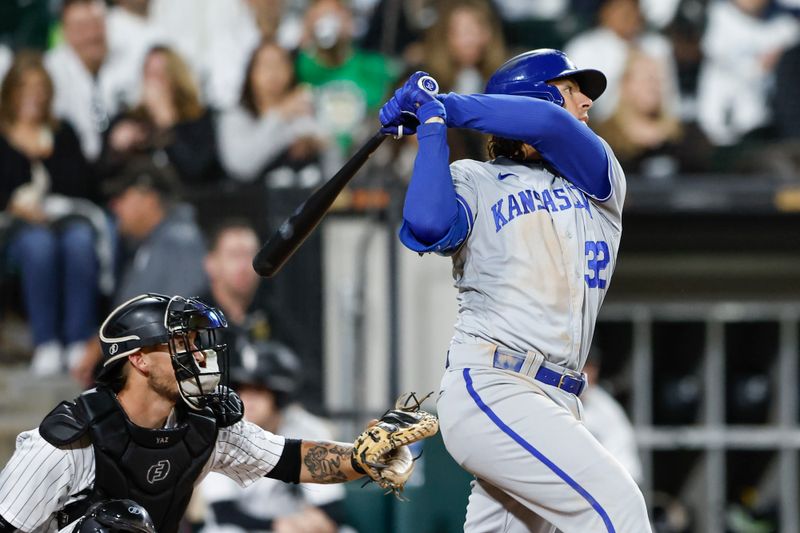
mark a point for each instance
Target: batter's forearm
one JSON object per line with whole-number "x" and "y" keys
{"x": 431, "y": 207}
{"x": 326, "y": 462}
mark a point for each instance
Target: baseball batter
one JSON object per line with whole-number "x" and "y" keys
{"x": 533, "y": 236}
{"x": 154, "y": 427}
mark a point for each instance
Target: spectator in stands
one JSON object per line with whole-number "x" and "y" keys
{"x": 542, "y": 24}
{"x": 267, "y": 381}
{"x": 465, "y": 46}
{"x": 161, "y": 248}
{"x": 232, "y": 280}
{"x": 45, "y": 190}
{"x": 131, "y": 34}
{"x": 91, "y": 82}
{"x": 743, "y": 41}
{"x": 6, "y": 57}
{"x": 462, "y": 50}
{"x": 398, "y": 28}
{"x": 193, "y": 28}
{"x": 257, "y": 21}
{"x": 620, "y": 28}
{"x": 647, "y": 137}
{"x": 685, "y": 31}
{"x": 779, "y": 157}
{"x": 274, "y": 122}
{"x": 233, "y": 284}
{"x": 349, "y": 82}
{"x": 169, "y": 124}
{"x": 164, "y": 244}
{"x": 605, "y": 418}
{"x": 787, "y": 80}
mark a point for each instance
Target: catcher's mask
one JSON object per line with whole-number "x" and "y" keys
{"x": 186, "y": 325}
{"x": 115, "y": 515}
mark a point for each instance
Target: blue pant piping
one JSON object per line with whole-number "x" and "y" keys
{"x": 536, "y": 453}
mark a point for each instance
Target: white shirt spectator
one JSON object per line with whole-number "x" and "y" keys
{"x": 131, "y": 36}
{"x": 269, "y": 498}
{"x": 741, "y": 52}
{"x": 514, "y": 10}
{"x": 248, "y": 143}
{"x": 216, "y": 37}
{"x": 604, "y": 50}
{"x": 230, "y": 50}
{"x": 189, "y": 24}
{"x": 6, "y": 57}
{"x": 89, "y": 102}
{"x": 659, "y": 13}
{"x": 607, "y": 421}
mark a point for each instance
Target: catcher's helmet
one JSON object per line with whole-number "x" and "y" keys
{"x": 269, "y": 364}
{"x": 186, "y": 325}
{"x": 115, "y": 515}
{"x": 528, "y": 73}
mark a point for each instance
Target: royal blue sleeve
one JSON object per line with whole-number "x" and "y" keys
{"x": 433, "y": 219}
{"x": 568, "y": 144}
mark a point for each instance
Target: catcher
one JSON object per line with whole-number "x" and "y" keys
{"x": 159, "y": 421}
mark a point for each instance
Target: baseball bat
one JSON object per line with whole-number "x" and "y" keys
{"x": 295, "y": 229}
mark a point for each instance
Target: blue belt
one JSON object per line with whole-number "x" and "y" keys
{"x": 564, "y": 379}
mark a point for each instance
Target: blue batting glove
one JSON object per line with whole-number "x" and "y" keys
{"x": 395, "y": 121}
{"x": 412, "y": 104}
{"x": 418, "y": 94}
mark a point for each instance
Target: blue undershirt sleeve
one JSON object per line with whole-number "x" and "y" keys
{"x": 568, "y": 144}
{"x": 433, "y": 218}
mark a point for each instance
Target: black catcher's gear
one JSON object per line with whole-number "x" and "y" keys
{"x": 155, "y": 467}
{"x": 111, "y": 516}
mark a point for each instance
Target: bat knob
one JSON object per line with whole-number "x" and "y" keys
{"x": 428, "y": 84}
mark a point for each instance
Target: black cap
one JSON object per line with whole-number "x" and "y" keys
{"x": 143, "y": 172}
{"x": 269, "y": 364}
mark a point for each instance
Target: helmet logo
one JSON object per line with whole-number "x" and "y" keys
{"x": 158, "y": 471}
{"x": 113, "y": 349}
{"x": 428, "y": 84}
{"x": 134, "y": 510}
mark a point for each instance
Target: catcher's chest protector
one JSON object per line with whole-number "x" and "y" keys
{"x": 155, "y": 468}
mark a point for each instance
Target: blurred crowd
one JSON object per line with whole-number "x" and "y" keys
{"x": 112, "y": 112}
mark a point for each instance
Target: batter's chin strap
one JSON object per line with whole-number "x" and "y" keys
{"x": 5, "y": 527}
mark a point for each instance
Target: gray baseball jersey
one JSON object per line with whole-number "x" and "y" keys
{"x": 531, "y": 277}
{"x": 537, "y": 263}
{"x": 40, "y": 479}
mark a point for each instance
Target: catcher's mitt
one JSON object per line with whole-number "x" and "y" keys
{"x": 380, "y": 452}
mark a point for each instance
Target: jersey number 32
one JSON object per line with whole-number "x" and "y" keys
{"x": 597, "y": 258}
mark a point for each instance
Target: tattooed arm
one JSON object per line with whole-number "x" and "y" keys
{"x": 245, "y": 452}
{"x": 326, "y": 462}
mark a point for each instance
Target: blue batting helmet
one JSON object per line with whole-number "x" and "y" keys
{"x": 528, "y": 73}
